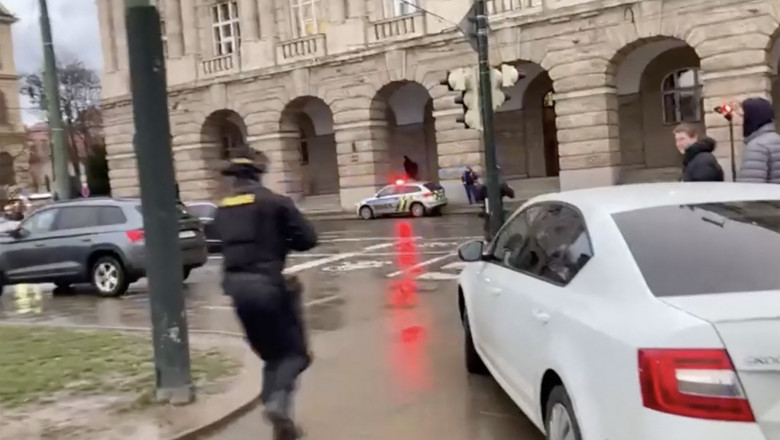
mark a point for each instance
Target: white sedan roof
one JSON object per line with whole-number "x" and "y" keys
{"x": 621, "y": 198}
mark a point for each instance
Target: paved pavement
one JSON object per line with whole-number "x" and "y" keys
{"x": 387, "y": 340}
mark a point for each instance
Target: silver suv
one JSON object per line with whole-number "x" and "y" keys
{"x": 97, "y": 240}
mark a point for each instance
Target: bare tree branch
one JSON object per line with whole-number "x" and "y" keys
{"x": 79, "y": 88}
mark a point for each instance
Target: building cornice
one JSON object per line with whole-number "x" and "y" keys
{"x": 508, "y": 20}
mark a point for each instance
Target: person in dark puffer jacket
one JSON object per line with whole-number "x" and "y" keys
{"x": 761, "y": 161}
{"x": 700, "y": 164}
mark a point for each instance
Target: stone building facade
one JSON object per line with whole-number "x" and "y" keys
{"x": 14, "y": 157}
{"x": 336, "y": 92}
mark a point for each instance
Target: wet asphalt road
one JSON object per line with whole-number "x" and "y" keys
{"x": 382, "y": 310}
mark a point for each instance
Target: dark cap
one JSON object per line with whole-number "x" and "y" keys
{"x": 247, "y": 164}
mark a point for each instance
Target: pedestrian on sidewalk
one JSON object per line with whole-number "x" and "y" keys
{"x": 469, "y": 179}
{"x": 258, "y": 228}
{"x": 761, "y": 161}
{"x": 699, "y": 162}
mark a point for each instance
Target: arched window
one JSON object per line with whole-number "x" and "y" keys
{"x": 681, "y": 92}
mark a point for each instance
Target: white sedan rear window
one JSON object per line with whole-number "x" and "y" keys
{"x": 707, "y": 248}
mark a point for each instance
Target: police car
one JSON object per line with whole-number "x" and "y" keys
{"x": 404, "y": 198}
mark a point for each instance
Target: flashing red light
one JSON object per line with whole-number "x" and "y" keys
{"x": 400, "y": 182}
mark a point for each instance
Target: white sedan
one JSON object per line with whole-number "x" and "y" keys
{"x": 641, "y": 312}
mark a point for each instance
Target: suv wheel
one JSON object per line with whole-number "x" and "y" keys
{"x": 418, "y": 210}
{"x": 109, "y": 277}
{"x": 366, "y": 213}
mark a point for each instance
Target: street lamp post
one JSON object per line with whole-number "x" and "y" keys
{"x": 51, "y": 88}
{"x": 158, "y": 197}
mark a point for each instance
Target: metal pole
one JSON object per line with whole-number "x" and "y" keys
{"x": 495, "y": 205}
{"x": 51, "y": 88}
{"x": 158, "y": 197}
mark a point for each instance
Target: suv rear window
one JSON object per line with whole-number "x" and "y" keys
{"x": 183, "y": 212}
{"x": 705, "y": 248}
{"x": 433, "y": 186}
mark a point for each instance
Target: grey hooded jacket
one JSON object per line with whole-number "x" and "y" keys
{"x": 761, "y": 162}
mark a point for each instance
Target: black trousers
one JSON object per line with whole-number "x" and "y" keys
{"x": 271, "y": 315}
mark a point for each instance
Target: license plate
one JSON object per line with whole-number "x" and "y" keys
{"x": 187, "y": 234}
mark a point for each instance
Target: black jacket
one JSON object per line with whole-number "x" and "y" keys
{"x": 699, "y": 164}
{"x": 258, "y": 228}
{"x": 506, "y": 191}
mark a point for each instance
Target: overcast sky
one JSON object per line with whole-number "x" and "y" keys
{"x": 76, "y": 35}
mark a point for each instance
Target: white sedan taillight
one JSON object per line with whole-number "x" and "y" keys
{"x": 698, "y": 383}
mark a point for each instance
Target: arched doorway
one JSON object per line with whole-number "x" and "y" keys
{"x": 307, "y": 122}
{"x": 659, "y": 86}
{"x": 222, "y": 134}
{"x": 408, "y": 110}
{"x": 526, "y": 133}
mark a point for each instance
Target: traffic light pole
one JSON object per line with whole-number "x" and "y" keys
{"x": 158, "y": 197}
{"x": 495, "y": 204}
{"x": 51, "y": 87}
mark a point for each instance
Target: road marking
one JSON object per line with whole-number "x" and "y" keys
{"x": 457, "y": 265}
{"x": 350, "y": 240}
{"x": 332, "y": 259}
{"x": 314, "y": 302}
{"x": 438, "y": 276}
{"x": 423, "y": 264}
{"x": 368, "y": 254}
{"x": 349, "y": 266}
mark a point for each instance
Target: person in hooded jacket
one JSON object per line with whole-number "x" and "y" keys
{"x": 761, "y": 160}
{"x": 258, "y": 228}
{"x": 699, "y": 162}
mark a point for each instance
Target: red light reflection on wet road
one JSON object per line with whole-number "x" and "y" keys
{"x": 409, "y": 337}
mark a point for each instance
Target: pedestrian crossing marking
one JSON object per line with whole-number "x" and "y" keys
{"x": 457, "y": 265}
{"x": 438, "y": 276}
{"x": 453, "y": 273}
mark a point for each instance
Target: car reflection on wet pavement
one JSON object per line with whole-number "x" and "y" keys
{"x": 381, "y": 306}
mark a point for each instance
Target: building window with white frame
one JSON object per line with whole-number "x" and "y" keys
{"x": 399, "y": 8}
{"x": 306, "y": 16}
{"x": 225, "y": 28}
{"x": 681, "y": 91}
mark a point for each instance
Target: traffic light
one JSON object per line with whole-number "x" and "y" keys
{"x": 465, "y": 81}
{"x": 501, "y": 78}
{"x": 456, "y": 80}
{"x": 725, "y": 110}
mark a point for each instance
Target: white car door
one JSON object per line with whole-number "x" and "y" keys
{"x": 557, "y": 248}
{"x": 496, "y": 336}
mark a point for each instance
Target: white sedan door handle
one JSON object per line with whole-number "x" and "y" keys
{"x": 541, "y": 316}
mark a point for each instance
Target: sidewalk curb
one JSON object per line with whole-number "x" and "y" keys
{"x": 216, "y": 422}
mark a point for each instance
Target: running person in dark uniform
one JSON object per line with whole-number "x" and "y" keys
{"x": 258, "y": 228}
